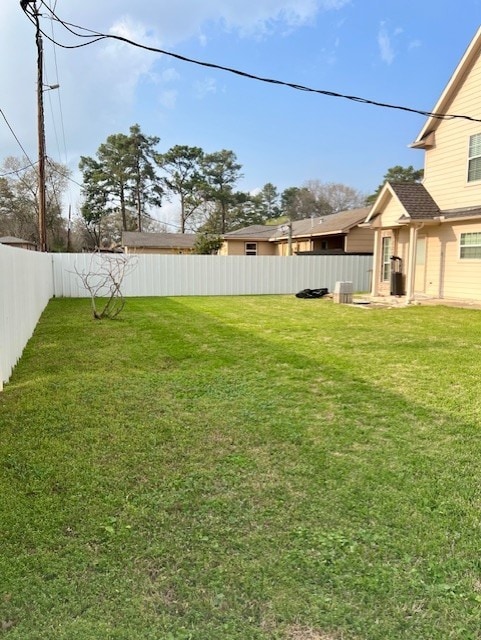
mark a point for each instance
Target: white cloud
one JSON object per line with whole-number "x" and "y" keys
{"x": 205, "y": 87}
{"x": 168, "y": 98}
{"x": 384, "y": 40}
{"x": 169, "y": 75}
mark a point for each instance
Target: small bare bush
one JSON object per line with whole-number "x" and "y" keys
{"x": 103, "y": 278}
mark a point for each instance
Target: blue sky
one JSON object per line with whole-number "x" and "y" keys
{"x": 396, "y": 51}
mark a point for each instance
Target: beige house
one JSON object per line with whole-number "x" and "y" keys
{"x": 338, "y": 233}
{"x": 434, "y": 229}
{"x": 166, "y": 243}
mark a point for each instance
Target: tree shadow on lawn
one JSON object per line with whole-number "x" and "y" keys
{"x": 298, "y": 491}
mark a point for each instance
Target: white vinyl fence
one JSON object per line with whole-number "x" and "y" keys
{"x": 26, "y": 286}
{"x": 29, "y": 279}
{"x": 181, "y": 275}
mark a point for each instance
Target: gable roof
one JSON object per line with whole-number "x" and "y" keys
{"x": 158, "y": 240}
{"x": 334, "y": 223}
{"x": 416, "y": 199}
{"x": 470, "y": 56}
{"x": 13, "y": 240}
{"x": 419, "y": 205}
{"x": 253, "y": 232}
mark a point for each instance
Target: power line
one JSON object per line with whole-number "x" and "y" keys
{"x": 57, "y": 81}
{"x": 64, "y": 175}
{"x": 96, "y": 36}
{"x": 16, "y": 138}
{"x": 17, "y": 171}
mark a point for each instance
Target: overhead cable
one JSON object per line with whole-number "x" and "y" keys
{"x": 96, "y": 36}
{"x": 16, "y": 137}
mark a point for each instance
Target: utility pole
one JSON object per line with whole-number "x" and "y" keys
{"x": 287, "y": 228}
{"x": 42, "y": 202}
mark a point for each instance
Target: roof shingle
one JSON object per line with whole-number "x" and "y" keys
{"x": 416, "y": 199}
{"x": 158, "y": 240}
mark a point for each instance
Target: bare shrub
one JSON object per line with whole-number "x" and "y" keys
{"x": 103, "y": 278}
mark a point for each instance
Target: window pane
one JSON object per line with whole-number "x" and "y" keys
{"x": 474, "y": 171}
{"x": 475, "y": 145}
{"x": 470, "y": 238}
{"x": 386, "y": 249}
{"x": 470, "y": 246}
{"x": 471, "y": 253}
{"x": 386, "y": 259}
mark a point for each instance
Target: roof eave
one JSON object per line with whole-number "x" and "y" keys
{"x": 466, "y": 61}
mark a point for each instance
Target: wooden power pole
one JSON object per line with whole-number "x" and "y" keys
{"x": 42, "y": 201}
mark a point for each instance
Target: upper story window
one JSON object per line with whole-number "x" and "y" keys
{"x": 470, "y": 246}
{"x": 251, "y": 249}
{"x": 474, "y": 160}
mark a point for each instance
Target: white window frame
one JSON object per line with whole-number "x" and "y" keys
{"x": 474, "y": 158}
{"x": 250, "y": 248}
{"x": 464, "y": 246}
{"x": 386, "y": 253}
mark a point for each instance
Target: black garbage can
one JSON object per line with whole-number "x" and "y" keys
{"x": 397, "y": 276}
{"x": 397, "y": 283}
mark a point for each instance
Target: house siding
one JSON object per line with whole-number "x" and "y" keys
{"x": 302, "y": 245}
{"x": 359, "y": 240}
{"x": 446, "y": 164}
{"x": 459, "y": 279}
{"x": 237, "y": 248}
{"x": 391, "y": 213}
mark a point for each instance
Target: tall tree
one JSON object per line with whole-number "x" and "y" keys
{"x": 299, "y": 202}
{"x": 221, "y": 172}
{"x": 184, "y": 179}
{"x": 269, "y": 201}
{"x": 245, "y": 210}
{"x": 397, "y": 174}
{"x": 124, "y": 174}
{"x": 337, "y": 196}
{"x": 147, "y": 189}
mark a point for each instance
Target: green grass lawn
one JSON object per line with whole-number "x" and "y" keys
{"x": 243, "y": 468}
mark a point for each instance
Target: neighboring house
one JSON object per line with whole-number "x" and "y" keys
{"x": 338, "y": 233}
{"x": 19, "y": 243}
{"x": 249, "y": 241}
{"x": 434, "y": 228}
{"x": 169, "y": 243}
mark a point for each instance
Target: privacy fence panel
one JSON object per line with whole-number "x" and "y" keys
{"x": 181, "y": 275}
{"x": 26, "y": 286}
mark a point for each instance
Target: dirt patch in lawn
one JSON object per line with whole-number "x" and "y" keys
{"x": 298, "y": 632}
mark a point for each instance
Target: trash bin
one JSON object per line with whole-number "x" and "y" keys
{"x": 397, "y": 283}
{"x": 397, "y": 276}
